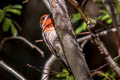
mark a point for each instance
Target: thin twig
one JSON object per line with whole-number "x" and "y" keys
{"x": 82, "y": 45}
{"x": 25, "y": 1}
{"x": 101, "y": 73}
{"x": 39, "y": 69}
{"x": 101, "y": 67}
{"x": 17, "y": 25}
{"x": 37, "y": 41}
{"x": 82, "y": 33}
{"x": 84, "y": 3}
{"x": 79, "y": 10}
{"x": 52, "y": 72}
{"x": 101, "y": 33}
{"x": 23, "y": 39}
{"x": 11, "y": 70}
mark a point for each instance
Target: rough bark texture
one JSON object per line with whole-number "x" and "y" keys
{"x": 69, "y": 44}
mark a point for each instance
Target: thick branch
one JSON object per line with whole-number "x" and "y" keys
{"x": 70, "y": 46}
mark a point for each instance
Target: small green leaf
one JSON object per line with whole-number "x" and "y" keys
{"x": 6, "y": 7}
{"x": 14, "y": 11}
{"x": 65, "y": 70}
{"x": 65, "y": 75}
{"x": 1, "y": 11}
{"x": 17, "y": 6}
{"x": 60, "y": 75}
{"x": 13, "y": 30}
{"x": 2, "y": 15}
{"x": 81, "y": 28}
{"x": 109, "y": 21}
{"x": 6, "y": 24}
{"x": 103, "y": 11}
{"x": 76, "y": 17}
{"x": 105, "y": 17}
{"x": 118, "y": 6}
{"x": 1, "y": 18}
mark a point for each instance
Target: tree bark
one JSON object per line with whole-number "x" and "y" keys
{"x": 70, "y": 46}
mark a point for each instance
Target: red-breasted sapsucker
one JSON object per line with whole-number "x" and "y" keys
{"x": 51, "y": 39}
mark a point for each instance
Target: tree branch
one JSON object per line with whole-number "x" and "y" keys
{"x": 23, "y": 39}
{"x": 46, "y": 2}
{"x": 47, "y": 67}
{"x": 100, "y": 73}
{"x": 70, "y": 46}
{"x": 11, "y": 70}
{"x": 114, "y": 16}
{"x": 101, "y": 67}
{"x": 101, "y": 33}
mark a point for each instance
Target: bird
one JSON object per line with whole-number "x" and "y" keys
{"x": 51, "y": 39}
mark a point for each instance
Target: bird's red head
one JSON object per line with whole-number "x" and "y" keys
{"x": 46, "y": 23}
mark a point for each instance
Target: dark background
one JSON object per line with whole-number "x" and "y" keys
{"x": 17, "y": 54}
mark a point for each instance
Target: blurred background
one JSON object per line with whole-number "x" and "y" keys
{"x": 21, "y": 18}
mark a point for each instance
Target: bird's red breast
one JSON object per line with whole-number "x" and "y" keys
{"x": 47, "y": 24}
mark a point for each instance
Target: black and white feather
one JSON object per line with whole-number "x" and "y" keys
{"x": 52, "y": 41}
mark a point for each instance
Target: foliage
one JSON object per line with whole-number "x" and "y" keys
{"x": 105, "y": 17}
{"x": 76, "y": 17}
{"x": 64, "y": 75}
{"x": 83, "y": 26}
{"x": 5, "y": 18}
{"x": 110, "y": 73}
{"x": 117, "y": 5}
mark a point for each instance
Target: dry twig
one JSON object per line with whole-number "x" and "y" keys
{"x": 23, "y": 39}
{"x": 101, "y": 73}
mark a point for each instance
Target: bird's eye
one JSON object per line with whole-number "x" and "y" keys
{"x": 43, "y": 18}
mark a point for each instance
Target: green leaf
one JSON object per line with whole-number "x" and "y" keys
{"x": 6, "y": 7}
{"x": 6, "y": 24}
{"x": 103, "y": 11}
{"x": 105, "y": 17}
{"x": 118, "y": 6}
{"x": 17, "y": 6}
{"x": 1, "y": 18}
{"x": 109, "y": 21}
{"x": 14, "y": 11}
{"x": 65, "y": 75}
{"x": 60, "y": 75}
{"x": 13, "y": 30}
{"x": 2, "y": 15}
{"x": 65, "y": 70}
{"x": 82, "y": 27}
{"x": 76, "y": 17}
